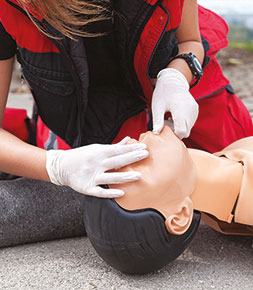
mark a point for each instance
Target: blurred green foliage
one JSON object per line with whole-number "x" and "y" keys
{"x": 239, "y": 32}
{"x": 243, "y": 45}
{"x": 240, "y": 37}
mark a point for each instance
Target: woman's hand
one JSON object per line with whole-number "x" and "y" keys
{"x": 172, "y": 95}
{"x": 85, "y": 168}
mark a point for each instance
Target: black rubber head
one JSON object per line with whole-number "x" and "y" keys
{"x": 133, "y": 242}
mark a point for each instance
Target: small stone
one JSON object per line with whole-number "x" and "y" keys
{"x": 234, "y": 61}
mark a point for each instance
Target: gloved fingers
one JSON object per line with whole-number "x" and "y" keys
{"x": 124, "y": 159}
{"x": 119, "y": 149}
{"x": 105, "y": 193}
{"x": 189, "y": 127}
{"x": 180, "y": 126}
{"x": 158, "y": 111}
{"x": 190, "y": 120}
{"x": 117, "y": 177}
{"x": 124, "y": 141}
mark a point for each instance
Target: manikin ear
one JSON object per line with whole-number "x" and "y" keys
{"x": 178, "y": 223}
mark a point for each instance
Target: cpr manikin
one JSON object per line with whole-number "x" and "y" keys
{"x": 218, "y": 185}
{"x": 154, "y": 222}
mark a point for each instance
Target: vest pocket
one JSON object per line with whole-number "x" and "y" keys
{"x": 60, "y": 88}
{"x": 54, "y": 94}
{"x": 52, "y": 80}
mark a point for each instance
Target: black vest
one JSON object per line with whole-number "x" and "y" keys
{"x": 83, "y": 111}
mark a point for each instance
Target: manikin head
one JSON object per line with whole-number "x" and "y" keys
{"x": 168, "y": 179}
{"x": 153, "y": 223}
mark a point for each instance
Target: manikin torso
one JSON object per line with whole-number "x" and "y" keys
{"x": 174, "y": 177}
{"x": 225, "y": 187}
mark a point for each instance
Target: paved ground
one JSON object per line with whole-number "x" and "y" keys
{"x": 212, "y": 261}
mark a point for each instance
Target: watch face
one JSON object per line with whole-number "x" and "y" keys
{"x": 197, "y": 65}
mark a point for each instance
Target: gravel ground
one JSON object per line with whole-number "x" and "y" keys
{"x": 213, "y": 261}
{"x": 238, "y": 67}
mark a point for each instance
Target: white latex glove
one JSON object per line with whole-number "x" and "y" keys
{"x": 84, "y": 168}
{"x": 171, "y": 94}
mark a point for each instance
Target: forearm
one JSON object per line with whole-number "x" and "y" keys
{"x": 6, "y": 67}
{"x": 16, "y": 156}
{"x": 22, "y": 159}
{"x": 189, "y": 39}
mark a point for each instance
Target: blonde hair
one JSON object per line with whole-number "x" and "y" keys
{"x": 68, "y": 16}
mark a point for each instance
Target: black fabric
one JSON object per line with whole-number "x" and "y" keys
{"x": 104, "y": 66}
{"x": 108, "y": 108}
{"x": 167, "y": 48}
{"x": 133, "y": 242}
{"x": 102, "y": 111}
{"x": 107, "y": 86}
{"x": 8, "y": 46}
{"x": 129, "y": 22}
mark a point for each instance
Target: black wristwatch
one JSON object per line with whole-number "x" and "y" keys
{"x": 193, "y": 64}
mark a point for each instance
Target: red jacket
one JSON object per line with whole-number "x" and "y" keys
{"x": 151, "y": 33}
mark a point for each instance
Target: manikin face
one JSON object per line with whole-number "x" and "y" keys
{"x": 168, "y": 179}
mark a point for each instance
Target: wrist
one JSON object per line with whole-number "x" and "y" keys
{"x": 189, "y": 65}
{"x": 181, "y": 66}
{"x": 174, "y": 75}
{"x": 52, "y": 157}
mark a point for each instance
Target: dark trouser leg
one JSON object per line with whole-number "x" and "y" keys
{"x": 33, "y": 211}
